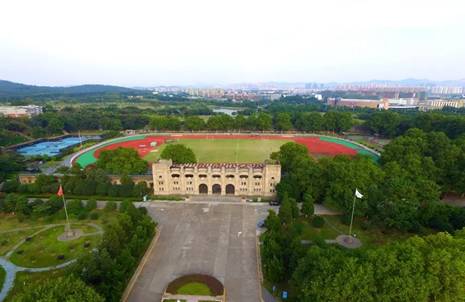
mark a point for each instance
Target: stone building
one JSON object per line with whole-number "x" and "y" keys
{"x": 257, "y": 179}
{"x": 254, "y": 179}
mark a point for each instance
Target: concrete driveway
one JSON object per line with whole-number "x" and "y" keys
{"x": 212, "y": 238}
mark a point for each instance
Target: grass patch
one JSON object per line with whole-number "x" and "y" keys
{"x": 24, "y": 280}
{"x": 44, "y": 249}
{"x": 226, "y": 150}
{"x": 369, "y": 235}
{"x": 194, "y": 288}
{"x": 8, "y": 240}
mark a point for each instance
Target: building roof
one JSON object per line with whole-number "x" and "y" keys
{"x": 220, "y": 165}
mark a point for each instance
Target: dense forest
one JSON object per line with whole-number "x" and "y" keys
{"x": 401, "y": 193}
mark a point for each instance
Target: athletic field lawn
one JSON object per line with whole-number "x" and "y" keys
{"x": 227, "y": 150}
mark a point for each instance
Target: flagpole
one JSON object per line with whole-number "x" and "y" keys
{"x": 352, "y": 218}
{"x": 67, "y": 225}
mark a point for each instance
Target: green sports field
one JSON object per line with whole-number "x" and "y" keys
{"x": 226, "y": 150}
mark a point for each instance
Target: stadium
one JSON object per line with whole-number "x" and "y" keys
{"x": 225, "y": 148}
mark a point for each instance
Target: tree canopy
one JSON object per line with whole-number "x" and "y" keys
{"x": 121, "y": 161}
{"x": 66, "y": 289}
{"x": 179, "y": 154}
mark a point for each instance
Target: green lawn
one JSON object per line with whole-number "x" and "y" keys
{"x": 370, "y": 236}
{"x": 194, "y": 288}
{"x": 25, "y": 279}
{"x": 227, "y": 150}
{"x": 8, "y": 240}
{"x": 2, "y": 277}
{"x": 44, "y": 248}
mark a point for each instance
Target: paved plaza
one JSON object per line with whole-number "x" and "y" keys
{"x": 218, "y": 239}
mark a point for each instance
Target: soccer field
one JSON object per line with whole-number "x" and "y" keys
{"x": 226, "y": 150}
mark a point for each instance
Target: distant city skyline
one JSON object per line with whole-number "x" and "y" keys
{"x": 207, "y": 42}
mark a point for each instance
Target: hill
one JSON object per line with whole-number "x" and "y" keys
{"x": 16, "y": 90}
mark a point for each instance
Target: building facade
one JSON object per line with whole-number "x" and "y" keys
{"x": 215, "y": 179}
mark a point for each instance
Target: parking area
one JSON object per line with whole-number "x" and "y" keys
{"x": 210, "y": 238}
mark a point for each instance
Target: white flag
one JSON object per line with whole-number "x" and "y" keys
{"x": 358, "y": 194}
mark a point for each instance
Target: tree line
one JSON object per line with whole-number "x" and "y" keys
{"x": 391, "y": 124}
{"x": 281, "y": 121}
{"x": 88, "y": 182}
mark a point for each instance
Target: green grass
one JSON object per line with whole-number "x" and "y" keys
{"x": 25, "y": 279}
{"x": 2, "y": 277}
{"x": 194, "y": 288}
{"x": 369, "y": 236}
{"x": 226, "y": 150}
{"x": 44, "y": 248}
{"x": 8, "y": 240}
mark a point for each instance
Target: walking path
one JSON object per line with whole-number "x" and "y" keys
{"x": 11, "y": 269}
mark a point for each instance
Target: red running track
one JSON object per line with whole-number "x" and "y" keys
{"x": 313, "y": 144}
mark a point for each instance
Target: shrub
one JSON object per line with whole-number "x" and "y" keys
{"x": 82, "y": 216}
{"x": 91, "y": 204}
{"x": 110, "y": 206}
{"x": 345, "y": 219}
{"x": 94, "y": 215}
{"x": 318, "y": 221}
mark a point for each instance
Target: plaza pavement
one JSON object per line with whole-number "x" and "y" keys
{"x": 218, "y": 239}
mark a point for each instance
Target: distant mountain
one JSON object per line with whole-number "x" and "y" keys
{"x": 16, "y": 90}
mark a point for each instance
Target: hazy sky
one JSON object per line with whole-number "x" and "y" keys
{"x": 153, "y": 42}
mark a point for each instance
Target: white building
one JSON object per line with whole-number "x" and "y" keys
{"x": 441, "y": 103}
{"x": 20, "y": 111}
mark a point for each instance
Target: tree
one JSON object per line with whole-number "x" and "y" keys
{"x": 66, "y": 289}
{"x": 337, "y": 121}
{"x": 283, "y": 121}
{"x": 309, "y": 121}
{"x": 264, "y": 121}
{"x": 308, "y": 208}
{"x": 179, "y": 154}
{"x": 220, "y": 122}
{"x": 194, "y": 123}
{"x": 385, "y": 123}
{"x": 121, "y": 161}
{"x": 288, "y": 154}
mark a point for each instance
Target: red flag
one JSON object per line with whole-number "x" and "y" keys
{"x": 60, "y": 191}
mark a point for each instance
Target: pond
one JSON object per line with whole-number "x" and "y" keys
{"x": 227, "y": 111}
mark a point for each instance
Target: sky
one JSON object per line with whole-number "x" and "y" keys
{"x": 189, "y": 42}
